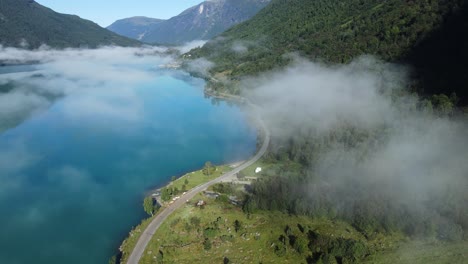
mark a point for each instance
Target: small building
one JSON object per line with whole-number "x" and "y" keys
{"x": 234, "y": 200}
{"x": 212, "y": 195}
{"x": 258, "y": 169}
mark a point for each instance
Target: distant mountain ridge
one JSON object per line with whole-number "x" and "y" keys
{"x": 134, "y": 27}
{"x": 203, "y": 21}
{"x": 27, "y": 24}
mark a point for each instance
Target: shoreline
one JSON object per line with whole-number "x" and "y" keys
{"x": 163, "y": 205}
{"x": 152, "y": 224}
{"x": 262, "y": 136}
{"x": 155, "y": 192}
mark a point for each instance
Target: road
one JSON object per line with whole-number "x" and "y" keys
{"x": 146, "y": 236}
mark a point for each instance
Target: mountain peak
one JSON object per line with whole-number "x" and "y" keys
{"x": 202, "y": 21}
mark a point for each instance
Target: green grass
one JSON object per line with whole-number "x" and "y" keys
{"x": 422, "y": 252}
{"x": 185, "y": 235}
{"x": 129, "y": 243}
{"x": 196, "y": 178}
{"x": 181, "y": 246}
{"x": 180, "y": 241}
{"x": 195, "y": 235}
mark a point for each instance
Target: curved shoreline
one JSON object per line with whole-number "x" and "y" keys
{"x": 148, "y": 233}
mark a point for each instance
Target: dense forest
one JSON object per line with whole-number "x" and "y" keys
{"x": 384, "y": 179}
{"x": 27, "y": 24}
{"x": 430, "y": 35}
{"x": 354, "y": 172}
{"x": 368, "y": 205}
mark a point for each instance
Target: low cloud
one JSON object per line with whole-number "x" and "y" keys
{"x": 102, "y": 82}
{"x": 71, "y": 178}
{"x": 191, "y": 45}
{"x": 239, "y": 47}
{"x": 364, "y": 133}
{"x": 314, "y": 95}
{"x": 15, "y": 159}
{"x": 20, "y": 104}
{"x": 200, "y": 66}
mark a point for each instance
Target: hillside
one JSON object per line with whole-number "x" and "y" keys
{"x": 431, "y": 35}
{"x": 134, "y": 27}
{"x": 25, "y": 23}
{"x": 200, "y": 22}
{"x": 349, "y": 140}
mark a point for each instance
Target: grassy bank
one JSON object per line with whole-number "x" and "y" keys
{"x": 221, "y": 232}
{"x": 188, "y": 180}
{"x": 422, "y": 252}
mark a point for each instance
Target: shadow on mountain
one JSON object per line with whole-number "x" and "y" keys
{"x": 441, "y": 59}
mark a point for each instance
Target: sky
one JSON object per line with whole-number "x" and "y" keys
{"x": 105, "y": 12}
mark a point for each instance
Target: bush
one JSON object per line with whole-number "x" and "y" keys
{"x": 209, "y": 232}
{"x": 449, "y": 231}
{"x": 207, "y": 244}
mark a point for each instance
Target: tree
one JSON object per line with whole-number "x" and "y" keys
{"x": 443, "y": 104}
{"x": 208, "y": 169}
{"x": 148, "y": 205}
{"x": 113, "y": 260}
{"x": 300, "y": 244}
{"x": 186, "y": 181}
{"x": 160, "y": 257}
{"x": 237, "y": 225}
{"x": 165, "y": 194}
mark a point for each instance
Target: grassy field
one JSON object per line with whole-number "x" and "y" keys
{"x": 196, "y": 234}
{"x": 196, "y": 178}
{"x": 221, "y": 232}
{"x": 423, "y": 252}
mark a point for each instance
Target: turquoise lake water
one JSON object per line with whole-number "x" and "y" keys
{"x": 73, "y": 174}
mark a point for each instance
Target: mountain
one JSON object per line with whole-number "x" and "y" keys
{"x": 25, "y": 23}
{"x": 430, "y": 35}
{"x": 203, "y": 21}
{"x": 134, "y": 27}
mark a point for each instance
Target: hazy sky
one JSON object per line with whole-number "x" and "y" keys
{"x": 105, "y": 12}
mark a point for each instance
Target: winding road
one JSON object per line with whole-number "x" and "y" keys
{"x": 146, "y": 236}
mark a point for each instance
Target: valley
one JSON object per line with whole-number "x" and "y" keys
{"x": 360, "y": 146}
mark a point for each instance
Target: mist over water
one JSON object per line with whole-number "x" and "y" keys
{"x": 85, "y": 134}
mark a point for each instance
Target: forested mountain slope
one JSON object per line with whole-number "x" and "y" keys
{"x": 429, "y": 34}
{"x": 349, "y": 141}
{"x": 25, "y": 23}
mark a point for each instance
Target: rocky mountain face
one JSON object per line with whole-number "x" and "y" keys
{"x": 27, "y": 24}
{"x": 203, "y": 21}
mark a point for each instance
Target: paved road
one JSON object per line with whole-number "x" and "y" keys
{"x": 159, "y": 219}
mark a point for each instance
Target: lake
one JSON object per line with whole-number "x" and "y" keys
{"x": 91, "y": 138}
